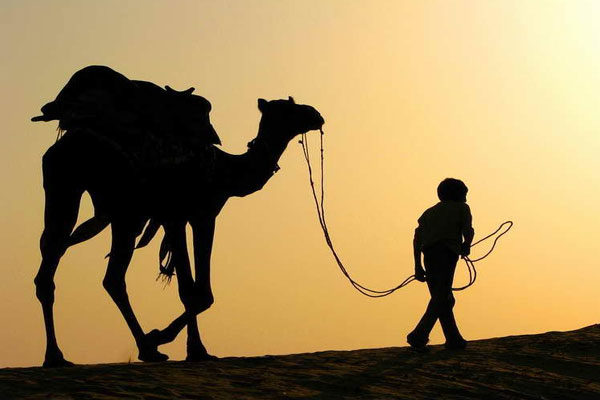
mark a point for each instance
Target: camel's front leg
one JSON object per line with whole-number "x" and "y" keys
{"x": 123, "y": 242}
{"x": 193, "y": 301}
{"x": 60, "y": 215}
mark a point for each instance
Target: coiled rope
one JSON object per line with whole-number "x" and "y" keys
{"x": 320, "y": 206}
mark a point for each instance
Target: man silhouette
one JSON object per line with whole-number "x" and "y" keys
{"x": 444, "y": 233}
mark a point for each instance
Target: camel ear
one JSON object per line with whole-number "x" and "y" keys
{"x": 291, "y": 100}
{"x": 262, "y": 104}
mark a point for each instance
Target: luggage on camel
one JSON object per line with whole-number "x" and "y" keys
{"x": 152, "y": 126}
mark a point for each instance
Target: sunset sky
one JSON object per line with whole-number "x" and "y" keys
{"x": 502, "y": 94}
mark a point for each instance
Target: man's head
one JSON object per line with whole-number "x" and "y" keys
{"x": 451, "y": 189}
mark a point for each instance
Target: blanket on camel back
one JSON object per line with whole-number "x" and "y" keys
{"x": 151, "y": 126}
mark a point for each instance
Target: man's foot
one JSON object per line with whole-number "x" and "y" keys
{"x": 418, "y": 343}
{"x": 456, "y": 344}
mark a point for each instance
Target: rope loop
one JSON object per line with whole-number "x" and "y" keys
{"x": 320, "y": 207}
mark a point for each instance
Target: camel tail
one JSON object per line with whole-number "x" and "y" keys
{"x": 166, "y": 266}
{"x": 165, "y": 260}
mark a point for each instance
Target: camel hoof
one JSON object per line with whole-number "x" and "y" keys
{"x": 152, "y": 356}
{"x": 201, "y": 357}
{"x": 57, "y": 363}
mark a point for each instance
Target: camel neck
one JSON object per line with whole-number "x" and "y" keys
{"x": 269, "y": 143}
{"x": 267, "y": 150}
{"x": 250, "y": 171}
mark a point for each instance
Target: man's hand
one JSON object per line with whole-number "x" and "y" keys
{"x": 419, "y": 273}
{"x": 465, "y": 250}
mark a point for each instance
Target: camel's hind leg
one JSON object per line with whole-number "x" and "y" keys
{"x": 197, "y": 296}
{"x": 123, "y": 243}
{"x": 195, "y": 349}
{"x": 60, "y": 216}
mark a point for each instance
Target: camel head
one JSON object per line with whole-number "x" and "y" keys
{"x": 286, "y": 119}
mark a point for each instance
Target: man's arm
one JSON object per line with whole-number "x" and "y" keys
{"x": 419, "y": 271}
{"x": 468, "y": 232}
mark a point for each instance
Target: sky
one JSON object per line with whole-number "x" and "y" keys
{"x": 503, "y": 95}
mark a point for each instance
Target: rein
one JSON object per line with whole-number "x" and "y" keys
{"x": 320, "y": 206}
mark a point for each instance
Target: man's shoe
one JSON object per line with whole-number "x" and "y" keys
{"x": 417, "y": 342}
{"x": 458, "y": 344}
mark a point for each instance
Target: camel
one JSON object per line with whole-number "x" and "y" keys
{"x": 193, "y": 192}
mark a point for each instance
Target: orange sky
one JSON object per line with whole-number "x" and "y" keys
{"x": 501, "y": 94}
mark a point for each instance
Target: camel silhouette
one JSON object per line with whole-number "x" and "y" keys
{"x": 172, "y": 196}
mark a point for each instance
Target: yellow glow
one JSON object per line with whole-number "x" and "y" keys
{"x": 501, "y": 94}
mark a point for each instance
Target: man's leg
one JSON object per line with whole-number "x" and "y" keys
{"x": 445, "y": 314}
{"x": 420, "y": 335}
{"x": 434, "y": 263}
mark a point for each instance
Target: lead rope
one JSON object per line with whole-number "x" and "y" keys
{"x": 363, "y": 289}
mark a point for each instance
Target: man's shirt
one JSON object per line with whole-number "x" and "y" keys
{"x": 446, "y": 222}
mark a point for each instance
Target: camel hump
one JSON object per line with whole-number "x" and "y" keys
{"x": 141, "y": 117}
{"x": 88, "y": 93}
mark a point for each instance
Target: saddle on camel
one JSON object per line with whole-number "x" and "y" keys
{"x": 151, "y": 126}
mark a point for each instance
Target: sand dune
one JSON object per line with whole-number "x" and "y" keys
{"x": 554, "y": 365}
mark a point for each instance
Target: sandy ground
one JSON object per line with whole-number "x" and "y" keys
{"x": 554, "y": 365}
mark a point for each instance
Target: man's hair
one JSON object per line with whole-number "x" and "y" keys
{"x": 451, "y": 189}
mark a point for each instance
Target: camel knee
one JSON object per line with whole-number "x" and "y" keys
{"x": 53, "y": 245}
{"x": 197, "y": 302}
{"x": 44, "y": 288}
{"x": 115, "y": 286}
{"x": 203, "y": 302}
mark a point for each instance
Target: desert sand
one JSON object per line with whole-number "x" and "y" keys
{"x": 554, "y": 365}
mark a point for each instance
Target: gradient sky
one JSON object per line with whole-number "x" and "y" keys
{"x": 504, "y": 95}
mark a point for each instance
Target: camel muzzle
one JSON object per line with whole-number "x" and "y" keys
{"x": 317, "y": 121}
{"x": 320, "y": 122}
